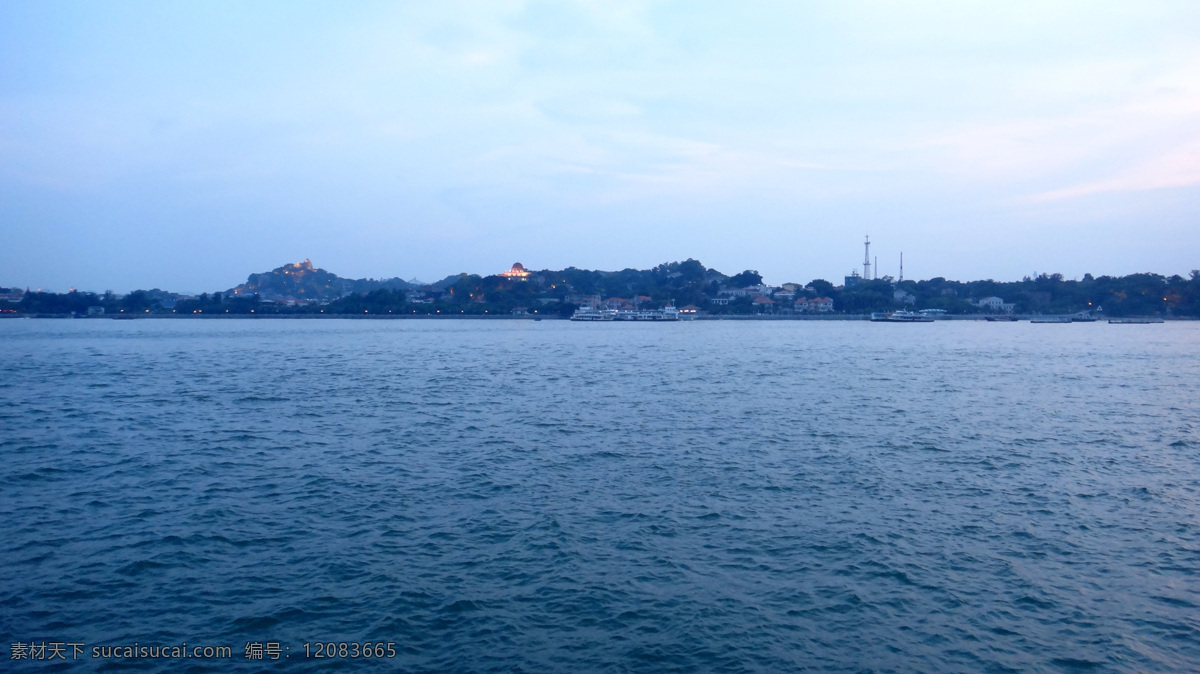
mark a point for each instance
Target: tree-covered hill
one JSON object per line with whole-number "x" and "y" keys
{"x": 301, "y": 288}
{"x": 302, "y": 281}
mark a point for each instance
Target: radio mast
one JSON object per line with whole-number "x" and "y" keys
{"x": 867, "y": 259}
{"x": 901, "y": 267}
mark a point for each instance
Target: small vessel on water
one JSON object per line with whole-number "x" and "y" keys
{"x": 667, "y": 313}
{"x": 1051, "y": 319}
{"x": 901, "y": 316}
{"x": 1085, "y": 316}
{"x": 1133, "y": 321}
{"x": 1004, "y": 318}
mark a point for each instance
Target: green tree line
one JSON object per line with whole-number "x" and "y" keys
{"x": 558, "y": 293}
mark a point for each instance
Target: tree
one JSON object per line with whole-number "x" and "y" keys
{"x": 746, "y": 278}
{"x": 821, "y": 287}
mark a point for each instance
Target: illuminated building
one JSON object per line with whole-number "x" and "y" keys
{"x": 518, "y": 271}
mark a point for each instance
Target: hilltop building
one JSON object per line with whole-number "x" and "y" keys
{"x": 518, "y": 271}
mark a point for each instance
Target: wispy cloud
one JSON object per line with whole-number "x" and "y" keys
{"x": 1175, "y": 168}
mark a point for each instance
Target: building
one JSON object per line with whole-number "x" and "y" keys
{"x": 618, "y": 303}
{"x": 748, "y": 291}
{"x": 814, "y": 305}
{"x": 518, "y": 272}
{"x": 994, "y": 304}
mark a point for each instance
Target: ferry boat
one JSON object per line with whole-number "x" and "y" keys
{"x": 667, "y": 313}
{"x": 901, "y": 316}
{"x": 592, "y": 314}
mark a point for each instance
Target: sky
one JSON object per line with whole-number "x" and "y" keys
{"x": 186, "y": 145}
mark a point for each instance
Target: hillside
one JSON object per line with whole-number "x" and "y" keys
{"x": 303, "y": 281}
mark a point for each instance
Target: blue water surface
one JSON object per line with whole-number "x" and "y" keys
{"x": 560, "y": 497}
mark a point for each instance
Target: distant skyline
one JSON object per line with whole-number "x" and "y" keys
{"x": 185, "y": 146}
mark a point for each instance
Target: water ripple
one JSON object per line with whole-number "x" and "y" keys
{"x": 520, "y": 496}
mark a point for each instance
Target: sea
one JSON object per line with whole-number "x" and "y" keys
{"x": 547, "y": 496}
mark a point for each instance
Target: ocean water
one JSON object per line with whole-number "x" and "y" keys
{"x": 560, "y": 497}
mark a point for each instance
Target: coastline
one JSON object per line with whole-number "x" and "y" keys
{"x": 451, "y": 317}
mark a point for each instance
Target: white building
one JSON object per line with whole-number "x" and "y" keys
{"x": 994, "y": 304}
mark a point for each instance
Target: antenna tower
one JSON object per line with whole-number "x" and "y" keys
{"x": 867, "y": 259}
{"x": 901, "y": 267}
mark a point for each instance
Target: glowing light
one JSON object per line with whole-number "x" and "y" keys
{"x": 518, "y": 271}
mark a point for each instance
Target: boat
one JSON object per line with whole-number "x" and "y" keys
{"x": 1133, "y": 321}
{"x": 1051, "y": 319}
{"x": 592, "y": 314}
{"x": 1000, "y": 319}
{"x": 900, "y": 317}
{"x": 667, "y": 313}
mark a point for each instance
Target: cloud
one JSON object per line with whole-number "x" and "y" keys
{"x": 1142, "y": 132}
{"x": 1176, "y": 168}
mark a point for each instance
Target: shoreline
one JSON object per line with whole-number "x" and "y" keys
{"x": 451, "y": 317}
